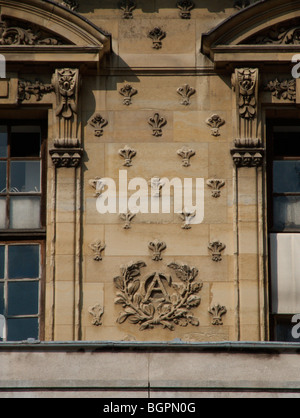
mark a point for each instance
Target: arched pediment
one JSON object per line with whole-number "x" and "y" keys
{"x": 267, "y": 32}
{"x": 44, "y": 31}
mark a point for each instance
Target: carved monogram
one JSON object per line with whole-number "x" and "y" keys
{"x": 157, "y": 300}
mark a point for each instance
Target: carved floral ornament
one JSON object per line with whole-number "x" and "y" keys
{"x": 127, "y": 153}
{"x": 216, "y": 248}
{"x": 98, "y": 123}
{"x": 127, "y": 92}
{"x": 157, "y": 122}
{"x": 127, "y": 6}
{"x": 185, "y": 7}
{"x": 97, "y": 247}
{"x": 215, "y": 122}
{"x": 27, "y": 89}
{"x": 157, "y": 35}
{"x": 216, "y": 186}
{"x": 20, "y": 33}
{"x": 285, "y": 90}
{"x": 157, "y": 247}
{"x": 217, "y": 312}
{"x": 97, "y": 312}
{"x": 157, "y": 300}
{"x": 186, "y": 154}
{"x": 186, "y": 92}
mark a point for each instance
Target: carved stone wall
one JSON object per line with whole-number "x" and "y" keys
{"x": 154, "y": 108}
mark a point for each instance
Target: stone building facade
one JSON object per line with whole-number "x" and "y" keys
{"x": 145, "y": 95}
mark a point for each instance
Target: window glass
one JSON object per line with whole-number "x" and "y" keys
{"x": 25, "y": 177}
{"x": 2, "y": 213}
{"x": 23, "y": 298}
{"x": 3, "y": 142}
{"x": 25, "y": 141}
{"x": 23, "y": 261}
{"x": 22, "y": 329}
{"x": 3, "y": 171}
{"x": 2, "y": 261}
{"x": 287, "y": 144}
{"x": 286, "y": 176}
{"x": 287, "y": 212}
{"x": 2, "y": 327}
{"x": 25, "y": 212}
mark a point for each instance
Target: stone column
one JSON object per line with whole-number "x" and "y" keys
{"x": 248, "y": 155}
{"x": 66, "y": 248}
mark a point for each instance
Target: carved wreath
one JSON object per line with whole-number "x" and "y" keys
{"x": 149, "y": 303}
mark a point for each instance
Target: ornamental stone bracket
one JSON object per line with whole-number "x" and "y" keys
{"x": 67, "y": 151}
{"x": 248, "y": 150}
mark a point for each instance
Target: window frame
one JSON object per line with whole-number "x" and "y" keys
{"x": 26, "y": 232}
{"x": 33, "y": 236}
{"x": 41, "y": 281}
{"x": 277, "y": 319}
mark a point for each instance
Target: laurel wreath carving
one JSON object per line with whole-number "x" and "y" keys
{"x": 169, "y": 309}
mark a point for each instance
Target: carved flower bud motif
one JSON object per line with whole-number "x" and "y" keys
{"x": 97, "y": 247}
{"x": 217, "y": 311}
{"x": 128, "y": 154}
{"x": 186, "y": 154}
{"x": 98, "y": 123}
{"x": 127, "y": 218}
{"x": 187, "y": 216}
{"x": 185, "y": 7}
{"x": 215, "y": 122}
{"x": 156, "y": 185}
{"x": 157, "y": 122}
{"x": 157, "y": 247}
{"x": 127, "y": 92}
{"x": 98, "y": 184}
{"x": 216, "y": 249}
{"x": 128, "y": 6}
{"x": 157, "y": 35}
{"x": 97, "y": 312}
{"x": 216, "y": 186}
{"x": 186, "y": 92}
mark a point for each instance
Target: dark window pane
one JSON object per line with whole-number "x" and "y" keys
{"x": 25, "y": 144}
{"x": 2, "y": 261}
{"x": 283, "y": 330}
{"x": 25, "y": 177}
{"x": 23, "y": 261}
{"x": 3, "y": 171}
{"x": 23, "y": 298}
{"x": 287, "y": 144}
{"x": 3, "y": 142}
{"x": 2, "y": 299}
{"x": 25, "y": 212}
{"x": 286, "y": 212}
{"x": 286, "y": 176}
{"x": 22, "y": 329}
